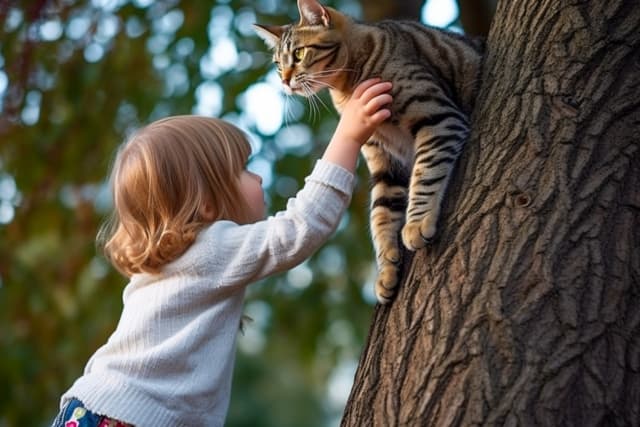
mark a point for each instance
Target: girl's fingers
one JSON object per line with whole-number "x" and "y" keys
{"x": 381, "y": 115}
{"x": 362, "y": 87}
{"x": 378, "y": 102}
{"x": 375, "y": 90}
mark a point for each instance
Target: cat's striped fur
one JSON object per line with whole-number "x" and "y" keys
{"x": 435, "y": 76}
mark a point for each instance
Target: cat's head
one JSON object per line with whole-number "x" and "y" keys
{"x": 309, "y": 55}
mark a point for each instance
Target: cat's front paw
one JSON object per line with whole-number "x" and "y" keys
{"x": 416, "y": 234}
{"x": 387, "y": 283}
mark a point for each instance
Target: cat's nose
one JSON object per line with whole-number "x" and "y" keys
{"x": 286, "y": 76}
{"x": 286, "y": 84}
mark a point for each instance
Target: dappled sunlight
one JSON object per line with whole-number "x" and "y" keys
{"x": 264, "y": 107}
{"x": 9, "y": 197}
{"x": 440, "y": 13}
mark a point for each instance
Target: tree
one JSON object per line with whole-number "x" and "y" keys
{"x": 408, "y": 9}
{"x": 476, "y": 16}
{"x": 525, "y": 311}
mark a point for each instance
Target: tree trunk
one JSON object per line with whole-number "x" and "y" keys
{"x": 527, "y": 309}
{"x": 406, "y": 9}
{"x": 476, "y": 16}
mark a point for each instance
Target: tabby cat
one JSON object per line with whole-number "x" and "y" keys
{"x": 435, "y": 75}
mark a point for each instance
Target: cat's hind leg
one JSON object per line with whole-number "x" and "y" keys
{"x": 438, "y": 141}
{"x": 389, "y": 181}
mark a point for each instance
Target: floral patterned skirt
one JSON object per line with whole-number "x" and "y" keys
{"x": 74, "y": 414}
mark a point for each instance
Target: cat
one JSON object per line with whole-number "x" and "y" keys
{"x": 435, "y": 76}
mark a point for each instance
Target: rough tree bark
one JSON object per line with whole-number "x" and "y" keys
{"x": 476, "y": 16}
{"x": 406, "y": 9}
{"x": 526, "y": 311}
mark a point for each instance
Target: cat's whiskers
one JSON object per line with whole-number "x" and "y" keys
{"x": 288, "y": 113}
{"x": 324, "y": 74}
{"x": 313, "y": 95}
{"x": 333, "y": 71}
{"x": 321, "y": 83}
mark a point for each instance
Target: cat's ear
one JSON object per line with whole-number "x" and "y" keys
{"x": 312, "y": 13}
{"x": 269, "y": 33}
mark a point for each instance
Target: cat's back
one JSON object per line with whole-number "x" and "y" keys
{"x": 415, "y": 38}
{"x": 408, "y": 52}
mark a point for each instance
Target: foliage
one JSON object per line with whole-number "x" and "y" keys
{"x": 73, "y": 95}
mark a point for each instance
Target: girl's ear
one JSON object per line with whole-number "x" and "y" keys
{"x": 207, "y": 212}
{"x": 312, "y": 13}
{"x": 269, "y": 33}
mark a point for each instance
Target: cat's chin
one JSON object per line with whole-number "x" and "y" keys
{"x": 310, "y": 90}
{"x": 306, "y": 94}
{"x": 300, "y": 92}
{"x": 288, "y": 90}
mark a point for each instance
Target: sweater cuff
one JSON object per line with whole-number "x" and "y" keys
{"x": 335, "y": 176}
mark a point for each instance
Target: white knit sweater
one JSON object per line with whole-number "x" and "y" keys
{"x": 170, "y": 360}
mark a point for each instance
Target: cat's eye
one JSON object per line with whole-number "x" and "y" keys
{"x": 298, "y": 54}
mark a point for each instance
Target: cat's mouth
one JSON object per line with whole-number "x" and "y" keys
{"x": 287, "y": 89}
{"x": 305, "y": 89}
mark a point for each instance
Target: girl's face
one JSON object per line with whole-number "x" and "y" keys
{"x": 251, "y": 187}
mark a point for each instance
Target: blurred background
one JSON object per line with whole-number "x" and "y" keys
{"x": 76, "y": 77}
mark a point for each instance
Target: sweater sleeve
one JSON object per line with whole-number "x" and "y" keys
{"x": 234, "y": 255}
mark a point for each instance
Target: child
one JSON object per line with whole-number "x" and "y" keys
{"x": 188, "y": 229}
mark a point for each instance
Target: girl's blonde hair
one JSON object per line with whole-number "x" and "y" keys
{"x": 163, "y": 181}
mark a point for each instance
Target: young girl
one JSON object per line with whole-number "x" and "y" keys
{"x": 188, "y": 229}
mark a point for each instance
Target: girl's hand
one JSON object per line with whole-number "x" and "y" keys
{"x": 361, "y": 115}
{"x": 365, "y": 111}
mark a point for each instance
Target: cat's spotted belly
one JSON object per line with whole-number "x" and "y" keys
{"x": 398, "y": 142}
